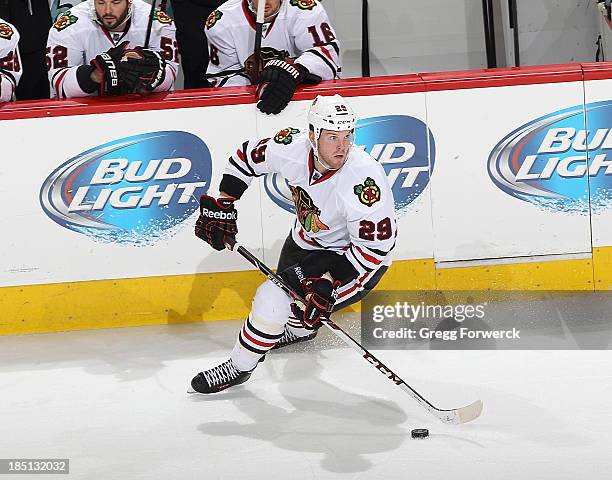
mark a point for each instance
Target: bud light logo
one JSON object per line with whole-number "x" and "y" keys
{"x": 134, "y": 190}
{"x": 554, "y": 161}
{"x": 402, "y": 144}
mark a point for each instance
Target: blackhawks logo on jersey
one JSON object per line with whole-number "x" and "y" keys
{"x": 285, "y": 136}
{"x": 161, "y": 16}
{"x": 306, "y": 211}
{"x": 6, "y": 31}
{"x": 368, "y": 193}
{"x": 304, "y": 4}
{"x": 213, "y": 18}
{"x": 65, "y": 20}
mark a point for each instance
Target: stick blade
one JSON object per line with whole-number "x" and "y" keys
{"x": 459, "y": 415}
{"x": 469, "y": 412}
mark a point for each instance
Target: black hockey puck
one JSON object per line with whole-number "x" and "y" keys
{"x": 420, "y": 433}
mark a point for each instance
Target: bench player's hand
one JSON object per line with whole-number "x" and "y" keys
{"x": 106, "y": 70}
{"x": 216, "y": 224}
{"x": 277, "y": 84}
{"x": 142, "y": 70}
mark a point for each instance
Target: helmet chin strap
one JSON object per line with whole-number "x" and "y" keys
{"x": 122, "y": 24}
{"x": 323, "y": 164}
{"x": 319, "y": 160}
{"x": 315, "y": 150}
{"x": 271, "y": 17}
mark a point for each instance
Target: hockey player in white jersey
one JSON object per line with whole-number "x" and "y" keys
{"x": 299, "y": 45}
{"x": 339, "y": 245}
{"x": 10, "y": 64}
{"x": 97, "y": 48}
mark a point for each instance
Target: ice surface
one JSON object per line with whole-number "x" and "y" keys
{"x": 115, "y": 403}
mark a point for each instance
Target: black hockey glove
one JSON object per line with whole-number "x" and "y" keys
{"x": 316, "y": 291}
{"x": 277, "y": 84}
{"x": 107, "y": 63}
{"x": 142, "y": 70}
{"x": 216, "y": 224}
{"x": 255, "y": 63}
{"x": 319, "y": 294}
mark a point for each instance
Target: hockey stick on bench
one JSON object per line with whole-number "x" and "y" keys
{"x": 259, "y": 21}
{"x": 454, "y": 416}
{"x": 150, "y": 24}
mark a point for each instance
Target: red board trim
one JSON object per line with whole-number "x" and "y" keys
{"x": 503, "y": 77}
{"x": 352, "y": 87}
{"x": 597, "y": 71}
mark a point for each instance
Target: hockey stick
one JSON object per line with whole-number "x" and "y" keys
{"x": 259, "y": 21}
{"x": 454, "y": 416}
{"x": 150, "y": 24}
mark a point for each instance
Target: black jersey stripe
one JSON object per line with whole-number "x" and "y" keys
{"x": 365, "y": 267}
{"x": 325, "y": 60}
{"x": 239, "y": 168}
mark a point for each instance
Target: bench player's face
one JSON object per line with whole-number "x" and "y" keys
{"x": 272, "y": 6}
{"x": 111, "y": 12}
{"x": 334, "y": 147}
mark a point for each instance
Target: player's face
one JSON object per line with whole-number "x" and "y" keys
{"x": 111, "y": 12}
{"x": 334, "y": 147}
{"x": 272, "y": 6}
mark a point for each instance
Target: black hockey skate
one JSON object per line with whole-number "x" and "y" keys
{"x": 289, "y": 338}
{"x": 219, "y": 378}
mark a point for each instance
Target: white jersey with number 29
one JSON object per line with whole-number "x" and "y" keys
{"x": 350, "y": 210}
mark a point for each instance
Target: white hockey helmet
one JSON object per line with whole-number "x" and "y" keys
{"x": 253, "y": 9}
{"x": 94, "y": 14}
{"x": 330, "y": 113}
